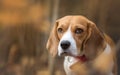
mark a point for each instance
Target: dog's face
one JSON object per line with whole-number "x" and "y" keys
{"x": 71, "y": 32}
{"x": 74, "y": 36}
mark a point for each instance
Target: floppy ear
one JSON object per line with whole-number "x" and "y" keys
{"x": 52, "y": 43}
{"x": 94, "y": 41}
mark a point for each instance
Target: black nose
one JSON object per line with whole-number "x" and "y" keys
{"x": 65, "y": 44}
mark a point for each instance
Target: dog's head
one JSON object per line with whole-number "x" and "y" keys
{"x": 75, "y": 36}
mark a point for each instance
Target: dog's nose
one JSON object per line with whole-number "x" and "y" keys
{"x": 65, "y": 44}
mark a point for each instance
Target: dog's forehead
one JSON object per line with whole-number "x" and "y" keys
{"x": 73, "y": 20}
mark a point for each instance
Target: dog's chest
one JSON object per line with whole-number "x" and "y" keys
{"x": 68, "y": 62}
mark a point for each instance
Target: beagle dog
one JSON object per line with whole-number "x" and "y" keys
{"x": 86, "y": 49}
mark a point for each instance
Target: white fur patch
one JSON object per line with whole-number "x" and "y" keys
{"x": 108, "y": 52}
{"x": 107, "y": 49}
{"x": 67, "y": 63}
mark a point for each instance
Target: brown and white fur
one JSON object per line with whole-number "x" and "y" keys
{"x": 76, "y": 36}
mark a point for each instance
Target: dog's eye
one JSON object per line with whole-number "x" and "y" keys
{"x": 78, "y": 31}
{"x": 60, "y": 30}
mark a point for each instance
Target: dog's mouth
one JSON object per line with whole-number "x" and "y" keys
{"x": 65, "y": 54}
{"x": 82, "y": 57}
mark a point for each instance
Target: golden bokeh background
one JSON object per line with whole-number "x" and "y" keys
{"x": 25, "y": 26}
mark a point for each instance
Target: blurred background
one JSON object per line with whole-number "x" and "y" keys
{"x": 25, "y": 26}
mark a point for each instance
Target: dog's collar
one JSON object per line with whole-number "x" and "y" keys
{"x": 81, "y": 58}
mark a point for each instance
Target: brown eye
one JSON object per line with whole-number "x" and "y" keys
{"x": 78, "y": 31}
{"x": 60, "y": 30}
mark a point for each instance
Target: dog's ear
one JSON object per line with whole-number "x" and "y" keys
{"x": 94, "y": 41}
{"x": 52, "y": 43}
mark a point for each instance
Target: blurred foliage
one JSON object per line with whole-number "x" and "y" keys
{"x": 23, "y": 29}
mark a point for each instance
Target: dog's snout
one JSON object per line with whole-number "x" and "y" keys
{"x": 65, "y": 44}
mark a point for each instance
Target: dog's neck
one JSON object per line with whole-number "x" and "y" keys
{"x": 69, "y": 61}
